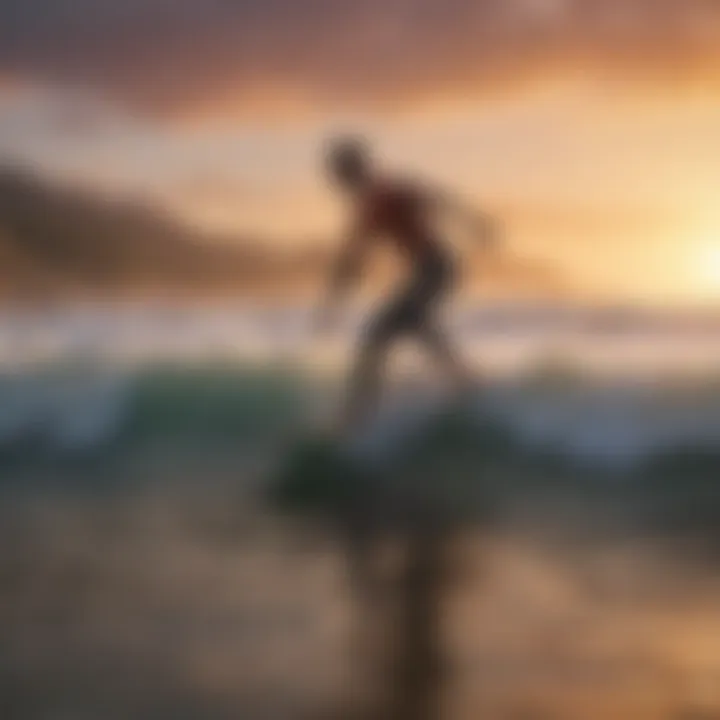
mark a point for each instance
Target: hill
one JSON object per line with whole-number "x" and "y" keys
{"x": 58, "y": 240}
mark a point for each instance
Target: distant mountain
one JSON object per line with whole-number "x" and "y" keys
{"x": 60, "y": 240}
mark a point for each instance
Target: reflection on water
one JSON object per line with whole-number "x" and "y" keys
{"x": 160, "y": 606}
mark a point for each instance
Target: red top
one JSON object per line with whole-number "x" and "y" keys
{"x": 399, "y": 211}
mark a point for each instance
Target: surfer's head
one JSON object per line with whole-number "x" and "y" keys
{"x": 349, "y": 162}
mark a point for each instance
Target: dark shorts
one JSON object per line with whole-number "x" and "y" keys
{"x": 429, "y": 284}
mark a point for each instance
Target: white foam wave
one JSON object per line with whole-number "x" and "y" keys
{"x": 651, "y": 381}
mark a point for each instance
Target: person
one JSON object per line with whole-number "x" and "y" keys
{"x": 402, "y": 213}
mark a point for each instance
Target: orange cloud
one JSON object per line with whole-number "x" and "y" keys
{"x": 234, "y": 57}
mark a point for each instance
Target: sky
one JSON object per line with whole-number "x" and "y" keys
{"x": 589, "y": 126}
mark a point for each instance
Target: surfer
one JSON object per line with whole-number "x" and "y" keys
{"x": 401, "y": 213}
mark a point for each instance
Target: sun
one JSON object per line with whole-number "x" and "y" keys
{"x": 708, "y": 268}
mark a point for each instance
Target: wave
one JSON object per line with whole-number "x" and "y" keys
{"x": 604, "y": 424}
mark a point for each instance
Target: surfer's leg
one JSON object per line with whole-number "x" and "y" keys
{"x": 366, "y": 378}
{"x": 364, "y": 385}
{"x": 434, "y": 287}
{"x": 446, "y": 355}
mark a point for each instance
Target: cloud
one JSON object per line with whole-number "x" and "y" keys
{"x": 234, "y": 57}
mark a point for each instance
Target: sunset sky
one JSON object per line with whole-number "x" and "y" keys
{"x": 591, "y": 126}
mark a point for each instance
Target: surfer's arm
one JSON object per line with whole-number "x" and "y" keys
{"x": 344, "y": 274}
{"x": 483, "y": 227}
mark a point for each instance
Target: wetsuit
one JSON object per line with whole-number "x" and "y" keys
{"x": 399, "y": 213}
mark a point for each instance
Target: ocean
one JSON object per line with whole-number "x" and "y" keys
{"x": 607, "y": 386}
{"x": 546, "y": 549}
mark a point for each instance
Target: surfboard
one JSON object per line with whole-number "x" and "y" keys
{"x": 318, "y": 474}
